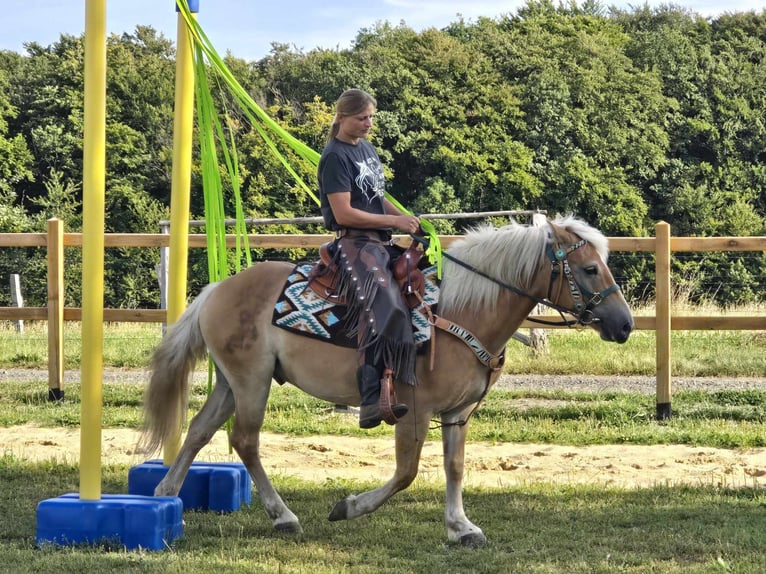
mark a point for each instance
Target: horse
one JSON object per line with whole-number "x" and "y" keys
{"x": 492, "y": 279}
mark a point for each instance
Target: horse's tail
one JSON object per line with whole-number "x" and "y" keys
{"x": 166, "y": 397}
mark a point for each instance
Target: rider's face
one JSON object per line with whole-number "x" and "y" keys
{"x": 353, "y": 128}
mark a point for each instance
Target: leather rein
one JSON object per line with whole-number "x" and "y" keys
{"x": 561, "y": 271}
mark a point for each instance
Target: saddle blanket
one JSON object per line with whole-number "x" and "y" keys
{"x": 300, "y": 310}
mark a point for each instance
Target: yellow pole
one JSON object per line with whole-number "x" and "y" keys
{"x": 93, "y": 186}
{"x": 183, "y": 123}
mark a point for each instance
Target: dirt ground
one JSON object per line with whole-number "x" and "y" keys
{"x": 319, "y": 458}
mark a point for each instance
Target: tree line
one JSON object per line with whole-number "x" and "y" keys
{"x": 622, "y": 117}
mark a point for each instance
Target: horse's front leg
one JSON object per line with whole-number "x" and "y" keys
{"x": 409, "y": 444}
{"x": 459, "y": 528}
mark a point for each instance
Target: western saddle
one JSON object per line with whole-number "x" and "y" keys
{"x": 323, "y": 277}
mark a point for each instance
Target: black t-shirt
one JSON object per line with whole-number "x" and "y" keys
{"x": 351, "y": 168}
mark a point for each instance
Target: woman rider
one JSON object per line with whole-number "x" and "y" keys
{"x": 353, "y": 204}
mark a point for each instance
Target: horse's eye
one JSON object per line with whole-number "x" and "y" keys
{"x": 591, "y": 270}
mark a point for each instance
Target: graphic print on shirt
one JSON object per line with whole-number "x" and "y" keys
{"x": 370, "y": 179}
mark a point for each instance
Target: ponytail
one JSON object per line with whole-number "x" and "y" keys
{"x": 334, "y": 129}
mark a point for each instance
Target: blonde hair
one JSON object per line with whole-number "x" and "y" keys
{"x": 349, "y": 103}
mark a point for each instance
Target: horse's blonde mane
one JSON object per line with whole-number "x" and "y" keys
{"x": 511, "y": 254}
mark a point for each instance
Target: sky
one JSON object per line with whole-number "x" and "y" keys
{"x": 247, "y": 28}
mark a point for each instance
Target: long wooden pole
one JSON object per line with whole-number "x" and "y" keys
{"x": 55, "y": 309}
{"x": 663, "y": 323}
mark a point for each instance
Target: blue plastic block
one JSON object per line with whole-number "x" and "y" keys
{"x": 216, "y": 486}
{"x": 135, "y": 522}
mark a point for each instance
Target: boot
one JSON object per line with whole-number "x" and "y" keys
{"x": 370, "y": 415}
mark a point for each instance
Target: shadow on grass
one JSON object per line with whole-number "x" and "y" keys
{"x": 532, "y": 528}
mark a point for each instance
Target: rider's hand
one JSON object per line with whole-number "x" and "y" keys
{"x": 408, "y": 223}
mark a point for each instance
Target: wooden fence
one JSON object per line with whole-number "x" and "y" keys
{"x": 663, "y": 322}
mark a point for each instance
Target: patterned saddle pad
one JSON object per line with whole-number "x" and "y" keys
{"x": 302, "y": 311}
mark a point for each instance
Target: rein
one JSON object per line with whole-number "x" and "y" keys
{"x": 560, "y": 271}
{"x": 583, "y": 312}
{"x": 503, "y": 284}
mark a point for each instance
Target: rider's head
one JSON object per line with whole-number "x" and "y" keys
{"x": 351, "y": 103}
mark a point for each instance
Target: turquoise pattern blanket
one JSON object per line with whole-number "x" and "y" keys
{"x": 302, "y": 311}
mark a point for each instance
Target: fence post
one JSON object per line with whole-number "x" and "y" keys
{"x": 662, "y": 314}
{"x": 17, "y": 299}
{"x": 162, "y": 273}
{"x": 538, "y": 338}
{"x": 55, "y": 310}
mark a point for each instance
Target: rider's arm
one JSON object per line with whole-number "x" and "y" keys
{"x": 348, "y": 216}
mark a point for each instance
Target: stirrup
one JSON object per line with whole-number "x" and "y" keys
{"x": 389, "y": 409}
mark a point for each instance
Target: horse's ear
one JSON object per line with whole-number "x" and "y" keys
{"x": 563, "y": 233}
{"x": 555, "y": 230}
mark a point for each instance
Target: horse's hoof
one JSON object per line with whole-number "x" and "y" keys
{"x": 163, "y": 491}
{"x": 289, "y": 527}
{"x": 339, "y": 511}
{"x": 473, "y": 539}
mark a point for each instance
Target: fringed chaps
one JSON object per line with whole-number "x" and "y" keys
{"x": 376, "y": 313}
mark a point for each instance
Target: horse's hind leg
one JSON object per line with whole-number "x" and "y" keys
{"x": 408, "y": 449}
{"x": 218, "y": 407}
{"x": 245, "y": 438}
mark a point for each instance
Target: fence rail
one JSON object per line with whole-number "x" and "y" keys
{"x": 662, "y": 245}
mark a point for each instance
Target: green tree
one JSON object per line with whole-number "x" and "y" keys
{"x": 622, "y": 117}
{"x": 713, "y": 182}
{"x": 447, "y": 119}
{"x": 15, "y": 157}
{"x": 593, "y": 119}
{"x": 15, "y": 169}
{"x": 48, "y": 92}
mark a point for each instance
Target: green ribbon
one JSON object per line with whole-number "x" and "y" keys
{"x": 209, "y": 126}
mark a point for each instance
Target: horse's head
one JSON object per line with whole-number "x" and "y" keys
{"x": 582, "y": 283}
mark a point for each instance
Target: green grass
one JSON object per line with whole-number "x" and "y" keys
{"x": 694, "y": 353}
{"x": 533, "y": 528}
{"x": 731, "y": 418}
{"x": 537, "y": 528}
{"x": 125, "y": 345}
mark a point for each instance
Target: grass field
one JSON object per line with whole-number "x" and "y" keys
{"x": 695, "y": 353}
{"x": 532, "y": 528}
{"x": 538, "y": 528}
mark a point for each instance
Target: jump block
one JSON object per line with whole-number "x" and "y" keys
{"x": 151, "y": 523}
{"x": 216, "y": 486}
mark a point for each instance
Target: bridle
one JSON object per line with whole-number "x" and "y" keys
{"x": 561, "y": 271}
{"x": 585, "y": 299}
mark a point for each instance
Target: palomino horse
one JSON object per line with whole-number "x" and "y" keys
{"x": 493, "y": 278}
